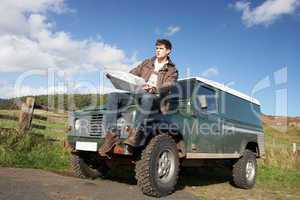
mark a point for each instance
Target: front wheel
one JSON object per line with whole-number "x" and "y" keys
{"x": 244, "y": 170}
{"x": 157, "y": 170}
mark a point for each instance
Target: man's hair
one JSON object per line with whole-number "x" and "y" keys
{"x": 165, "y": 42}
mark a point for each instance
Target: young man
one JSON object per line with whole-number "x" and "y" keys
{"x": 160, "y": 74}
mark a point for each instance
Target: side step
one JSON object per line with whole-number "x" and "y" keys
{"x": 212, "y": 155}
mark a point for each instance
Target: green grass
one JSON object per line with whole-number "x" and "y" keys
{"x": 278, "y": 148}
{"x": 7, "y": 123}
{"x": 32, "y": 151}
{"x": 39, "y": 148}
{"x": 292, "y": 135}
{"x": 10, "y": 112}
{"x": 274, "y": 177}
{"x": 55, "y": 128}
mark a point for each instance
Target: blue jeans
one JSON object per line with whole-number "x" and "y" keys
{"x": 117, "y": 102}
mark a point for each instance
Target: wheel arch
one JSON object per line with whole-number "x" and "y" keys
{"x": 174, "y": 133}
{"x": 251, "y": 145}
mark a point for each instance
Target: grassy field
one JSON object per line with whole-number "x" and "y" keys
{"x": 55, "y": 125}
{"x": 44, "y": 149}
{"x": 39, "y": 148}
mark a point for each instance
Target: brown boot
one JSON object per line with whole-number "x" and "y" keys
{"x": 111, "y": 139}
{"x": 134, "y": 137}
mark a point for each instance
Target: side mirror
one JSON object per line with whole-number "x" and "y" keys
{"x": 202, "y": 100}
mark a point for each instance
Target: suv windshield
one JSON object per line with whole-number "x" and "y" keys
{"x": 182, "y": 90}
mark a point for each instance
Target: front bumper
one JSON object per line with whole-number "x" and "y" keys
{"x": 121, "y": 148}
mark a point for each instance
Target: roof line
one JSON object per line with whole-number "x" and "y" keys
{"x": 225, "y": 89}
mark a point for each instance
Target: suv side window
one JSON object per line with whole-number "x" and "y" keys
{"x": 210, "y": 99}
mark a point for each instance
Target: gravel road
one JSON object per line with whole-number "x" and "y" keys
{"x": 33, "y": 184}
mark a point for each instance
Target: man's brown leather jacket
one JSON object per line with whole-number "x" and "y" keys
{"x": 167, "y": 75}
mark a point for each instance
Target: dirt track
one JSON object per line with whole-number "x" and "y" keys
{"x": 32, "y": 184}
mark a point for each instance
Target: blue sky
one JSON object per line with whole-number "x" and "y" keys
{"x": 236, "y": 42}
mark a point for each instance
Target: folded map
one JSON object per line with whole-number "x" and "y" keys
{"x": 125, "y": 80}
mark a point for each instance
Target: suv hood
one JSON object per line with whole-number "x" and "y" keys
{"x": 89, "y": 109}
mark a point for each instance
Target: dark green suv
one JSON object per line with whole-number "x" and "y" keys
{"x": 204, "y": 122}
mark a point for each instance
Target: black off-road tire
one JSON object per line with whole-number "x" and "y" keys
{"x": 239, "y": 171}
{"x": 82, "y": 170}
{"x": 147, "y": 167}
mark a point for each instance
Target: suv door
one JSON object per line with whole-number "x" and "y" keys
{"x": 207, "y": 137}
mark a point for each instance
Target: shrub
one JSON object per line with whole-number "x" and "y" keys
{"x": 32, "y": 151}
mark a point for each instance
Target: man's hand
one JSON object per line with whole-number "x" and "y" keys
{"x": 146, "y": 87}
{"x": 108, "y": 76}
{"x": 149, "y": 88}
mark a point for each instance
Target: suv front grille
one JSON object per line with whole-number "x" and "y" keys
{"x": 96, "y": 125}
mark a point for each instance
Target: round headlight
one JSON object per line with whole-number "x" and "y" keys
{"x": 77, "y": 124}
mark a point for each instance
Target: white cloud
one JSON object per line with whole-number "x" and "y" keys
{"x": 210, "y": 72}
{"x": 28, "y": 40}
{"x": 171, "y": 30}
{"x": 14, "y": 13}
{"x": 19, "y": 53}
{"x": 8, "y": 91}
{"x": 267, "y": 12}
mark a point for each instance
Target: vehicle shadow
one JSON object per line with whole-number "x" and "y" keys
{"x": 203, "y": 176}
{"x": 122, "y": 174}
{"x": 199, "y": 176}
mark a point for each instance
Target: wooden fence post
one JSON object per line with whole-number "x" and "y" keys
{"x": 26, "y": 114}
{"x": 294, "y": 148}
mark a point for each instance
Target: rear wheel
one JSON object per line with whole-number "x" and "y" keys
{"x": 157, "y": 170}
{"x": 84, "y": 166}
{"x": 244, "y": 170}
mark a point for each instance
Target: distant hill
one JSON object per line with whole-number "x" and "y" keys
{"x": 3, "y": 100}
{"x": 281, "y": 121}
{"x": 6, "y": 103}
